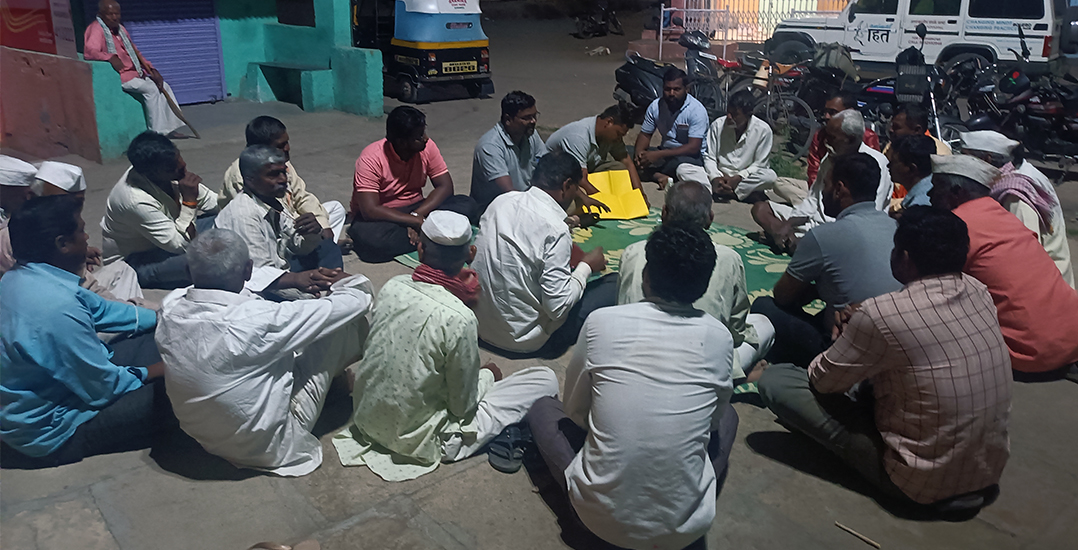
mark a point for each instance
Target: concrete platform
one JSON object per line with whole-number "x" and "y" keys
{"x": 783, "y": 491}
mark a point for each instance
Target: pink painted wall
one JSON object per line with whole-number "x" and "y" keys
{"x": 47, "y": 105}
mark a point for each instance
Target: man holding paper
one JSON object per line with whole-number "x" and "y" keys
{"x": 597, "y": 143}
{"x": 531, "y": 299}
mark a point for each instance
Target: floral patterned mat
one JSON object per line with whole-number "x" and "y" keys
{"x": 762, "y": 267}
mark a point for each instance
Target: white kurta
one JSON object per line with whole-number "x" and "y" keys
{"x": 650, "y": 384}
{"x": 727, "y": 154}
{"x": 247, "y": 377}
{"x": 522, "y": 258}
{"x": 1054, "y": 241}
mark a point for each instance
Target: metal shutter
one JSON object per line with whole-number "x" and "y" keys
{"x": 182, "y": 39}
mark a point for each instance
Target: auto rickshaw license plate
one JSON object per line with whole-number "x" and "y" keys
{"x": 459, "y": 67}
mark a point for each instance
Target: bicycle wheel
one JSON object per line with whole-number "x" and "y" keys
{"x": 790, "y": 119}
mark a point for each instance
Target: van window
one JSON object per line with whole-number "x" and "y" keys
{"x": 1007, "y": 9}
{"x": 882, "y": 7}
{"x": 935, "y": 7}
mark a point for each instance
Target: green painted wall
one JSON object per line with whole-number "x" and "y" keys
{"x": 242, "y": 36}
{"x": 119, "y": 115}
{"x": 357, "y": 81}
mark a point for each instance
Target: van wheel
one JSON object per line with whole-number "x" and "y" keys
{"x": 409, "y": 91}
{"x": 790, "y": 52}
{"x": 975, "y": 60}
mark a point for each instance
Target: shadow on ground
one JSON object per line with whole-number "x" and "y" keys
{"x": 805, "y": 455}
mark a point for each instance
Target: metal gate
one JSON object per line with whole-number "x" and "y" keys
{"x": 182, "y": 39}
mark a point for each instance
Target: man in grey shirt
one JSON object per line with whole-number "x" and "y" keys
{"x": 506, "y": 155}
{"x": 842, "y": 263}
{"x": 597, "y": 143}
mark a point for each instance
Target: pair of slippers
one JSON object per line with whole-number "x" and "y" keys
{"x": 506, "y": 451}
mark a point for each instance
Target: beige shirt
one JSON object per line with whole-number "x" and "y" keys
{"x": 726, "y": 299}
{"x": 139, "y": 216}
{"x": 941, "y": 375}
{"x": 301, "y": 200}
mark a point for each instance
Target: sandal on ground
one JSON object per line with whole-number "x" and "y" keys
{"x": 506, "y": 451}
{"x": 310, "y": 544}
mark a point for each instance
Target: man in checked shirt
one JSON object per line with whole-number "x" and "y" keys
{"x": 930, "y": 373}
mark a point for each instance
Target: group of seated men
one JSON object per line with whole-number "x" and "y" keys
{"x": 929, "y": 311}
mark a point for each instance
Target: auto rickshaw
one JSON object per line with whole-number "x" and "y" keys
{"x": 426, "y": 45}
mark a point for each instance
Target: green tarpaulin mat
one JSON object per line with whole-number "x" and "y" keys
{"x": 762, "y": 267}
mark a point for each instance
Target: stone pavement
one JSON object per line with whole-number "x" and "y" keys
{"x": 783, "y": 491}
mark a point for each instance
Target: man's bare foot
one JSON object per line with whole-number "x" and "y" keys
{"x": 346, "y": 244}
{"x": 757, "y": 371}
{"x": 176, "y": 134}
{"x": 662, "y": 180}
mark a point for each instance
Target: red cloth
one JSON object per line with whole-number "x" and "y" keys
{"x": 817, "y": 150}
{"x": 464, "y": 286}
{"x": 1038, "y": 311}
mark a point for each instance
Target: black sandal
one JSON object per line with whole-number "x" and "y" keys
{"x": 506, "y": 451}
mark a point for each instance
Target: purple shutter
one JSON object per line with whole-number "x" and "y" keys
{"x": 182, "y": 39}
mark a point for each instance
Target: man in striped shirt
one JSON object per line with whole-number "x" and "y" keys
{"x": 915, "y": 392}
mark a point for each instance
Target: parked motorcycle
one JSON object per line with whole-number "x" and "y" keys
{"x": 640, "y": 80}
{"x": 600, "y": 21}
{"x": 1042, "y": 113}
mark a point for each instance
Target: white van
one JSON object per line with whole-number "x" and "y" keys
{"x": 877, "y": 30}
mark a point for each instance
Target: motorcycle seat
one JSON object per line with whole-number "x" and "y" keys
{"x": 648, "y": 65}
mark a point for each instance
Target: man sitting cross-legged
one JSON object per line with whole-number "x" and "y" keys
{"x": 736, "y": 159}
{"x": 842, "y": 262}
{"x": 64, "y": 394}
{"x": 727, "y": 297}
{"x": 784, "y": 225}
{"x": 1036, "y": 307}
{"x": 420, "y": 396}
{"x": 388, "y": 206}
{"x": 909, "y": 159}
{"x": 505, "y": 156}
{"x": 929, "y": 369}
{"x": 643, "y": 442}
{"x": 681, "y": 122}
{"x": 155, "y": 209}
{"x": 330, "y": 215}
{"x": 531, "y": 300}
{"x": 277, "y": 239}
{"x": 248, "y": 377}
{"x": 597, "y": 143}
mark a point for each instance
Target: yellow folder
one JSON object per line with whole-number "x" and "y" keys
{"x": 616, "y": 191}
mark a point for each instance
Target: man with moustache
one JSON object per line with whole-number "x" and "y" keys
{"x": 505, "y": 156}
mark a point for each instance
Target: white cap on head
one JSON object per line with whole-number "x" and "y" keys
{"x": 447, "y": 228}
{"x": 15, "y": 172}
{"x": 67, "y": 177}
{"x": 967, "y": 166}
{"x": 988, "y": 141}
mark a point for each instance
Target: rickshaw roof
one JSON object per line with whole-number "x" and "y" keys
{"x": 442, "y": 6}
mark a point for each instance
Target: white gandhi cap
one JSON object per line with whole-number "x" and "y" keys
{"x": 988, "y": 141}
{"x": 447, "y": 228}
{"x": 67, "y": 177}
{"x": 967, "y": 166}
{"x": 16, "y": 173}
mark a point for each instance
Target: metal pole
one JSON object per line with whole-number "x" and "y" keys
{"x": 662, "y": 18}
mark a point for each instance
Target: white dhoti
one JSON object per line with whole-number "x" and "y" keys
{"x": 159, "y": 116}
{"x": 505, "y": 403}
{"x": 785, "y": 212}
{"x": 336, "y": 213}
{"x": 118, "y": 279}
{"x": 756, "y": 180}
{"x": 318, "y": 364}
{"x": 747, "y": 354}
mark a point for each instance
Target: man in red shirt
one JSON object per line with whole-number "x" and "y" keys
{"x": 840, "y": 102}
{"x": 1038, "y": 311}
{"x": 107, "y": 40}
{"x": 388, "y": 206}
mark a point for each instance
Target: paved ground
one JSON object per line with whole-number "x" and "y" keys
{"x": 783, "y": 491}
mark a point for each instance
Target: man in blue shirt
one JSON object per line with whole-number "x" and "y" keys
{"x": 682, "y": 123}
{"x": 64, "y": 394}
{"x": 910, "y": 163}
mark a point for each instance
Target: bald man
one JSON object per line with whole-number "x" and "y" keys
{"x": 107, "y": 40}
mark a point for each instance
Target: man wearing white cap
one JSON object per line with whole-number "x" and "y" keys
{"x": 115, "y": 281}
{"x": 1026, "y": 193}
{"x": 421, "y": 397}
{"x": 247, "y": 377}
{"x": 1036, "y": 307}
{"x": 16, "y": 177}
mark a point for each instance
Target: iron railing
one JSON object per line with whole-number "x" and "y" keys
{"x": 752, "y": 20}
